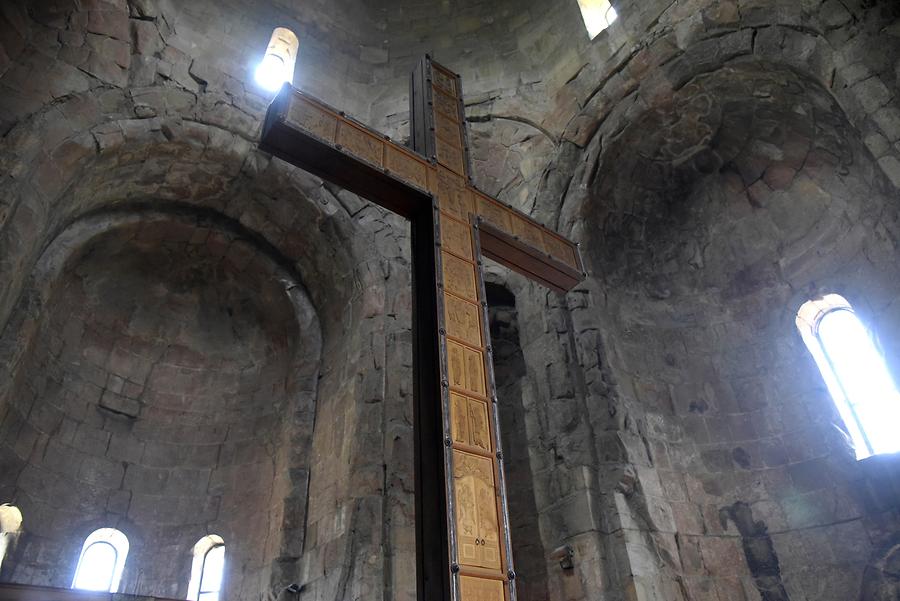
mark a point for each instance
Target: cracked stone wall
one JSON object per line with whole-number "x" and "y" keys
{"x": 719, "y": 161}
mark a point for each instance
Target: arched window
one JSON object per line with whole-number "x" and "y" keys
{"x": 855, "y": 373}
{"x": 597, "y": 15}
{"x": 207, "y": 569}
{"x": 102, "y": 561}
{"x": 10, "y": 527}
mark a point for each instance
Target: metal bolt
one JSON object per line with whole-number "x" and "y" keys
{"x": 342, "y": 114}
{"x": 454, "y": 567}
{"x": 445, "y": 383}
{"x": 448, "y": 442}
{"x": 338, "y": 147}
{"x": 490, "y": 349}
{"x": 442, "y": 331}
{"x": 511, "y": 575}
{"x": 500, "y": 455}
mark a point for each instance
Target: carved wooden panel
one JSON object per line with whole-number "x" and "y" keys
{"x": 313, "y": 118}
{"x": 447, "y": 130}
{"x": 446, "y": 104}
{"x": 444, "y": 81}
{"x": 496, "y": 213}
{"x": 453, "y": 196}
{"x": 406, "y": 167}
{"x": 360, "y": 143}
{"x": 478, "y": 531}
{"x": 529, "y": 233}
{"x": 462, "y": 320}
{"x": 561, "y": 250}
{"x": 466, "y": 368}
{"x": 459, "y": 277}
{"x": 480, "y": 589}
{"x": 449, "y": 156}
{"x": 469, "y": 422}
{"x": 457, "y": 238}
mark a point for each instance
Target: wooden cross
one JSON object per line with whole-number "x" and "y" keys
{"x": 462, "y": 524}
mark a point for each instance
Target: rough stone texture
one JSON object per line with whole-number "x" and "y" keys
{"x": 721, "y": 162}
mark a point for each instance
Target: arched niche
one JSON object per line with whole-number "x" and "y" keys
{"x": 712, "y": 217}
{"x": 164, "y": 365}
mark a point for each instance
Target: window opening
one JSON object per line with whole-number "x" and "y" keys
{"x": 855, "y": 372}
{"x": 207, "y": 569}
{"x": 10, "y": 527}
{"x": 102, "y": 561}
{"x": 597, "y": 15}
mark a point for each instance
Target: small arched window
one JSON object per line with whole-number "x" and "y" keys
{"x": 10, "y": 527}
{"x": 207, "y": 569}
{"x": 855, "y": 373}
{"x": 102, "y": 561}
{"x": 597, "y": 15}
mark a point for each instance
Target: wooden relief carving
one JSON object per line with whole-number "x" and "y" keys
{"x": 314, "y": 119}
{"x": 466, "y": 368}
{"x": 462, "y": 320}
{"x": 447, "y": 130}
{"x": 360, "y": 144}
{"x": 449, "y": 155}
{"x": 453, "y": 196}
{"x": 481, "y": 589}
{"x": 529, "y": 233}
{"x": 459, "y": 277}
{"x": 446, "y": 104}
{"x": 459, "y": 418}
{"x": 478, "y": 531}
{"x": 475, "y": 372}
{"x": 495, "y": 213}
{"x": 560, "y": 250}
{"x": 456, "y": 238}
{"x": 479, "y": 426}
{"x": 444, "y": 81}
{"x": 406, "y": 167}
{"x": 469, "y": 422}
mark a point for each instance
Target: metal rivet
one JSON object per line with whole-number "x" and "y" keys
{"x": 338, "y": 146}
{"x": 440, "y": 285}
{"x": 442, "y": 331}
{"x": 438, "y": 244}
{"x": 342, "y": 114}
{"x": 445, "y": 383}
{"x": 448, "y": 442}
{"x": 454, "y": 567}
{"x": 500, "y": 455}
{"x": 480, "y": 263}
{"x": 511, "y": 575}
{"x": 490, "y": 349}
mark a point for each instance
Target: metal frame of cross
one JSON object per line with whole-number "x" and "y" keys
{"x": 463, "y": 550}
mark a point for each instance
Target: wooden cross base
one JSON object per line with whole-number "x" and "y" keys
{"x": 464, "y": 551}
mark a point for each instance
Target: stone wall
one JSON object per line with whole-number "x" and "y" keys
{"x": 720, "y": 161}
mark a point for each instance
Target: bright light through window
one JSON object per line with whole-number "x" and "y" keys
{"x": 855, "y": 373}
{"x": 102, "y": 561}
{"x": 277, "y": 66}
{"x": 207, "y": 569}
{"x": 597, "y": 14}
{"x": 10, "y": 527}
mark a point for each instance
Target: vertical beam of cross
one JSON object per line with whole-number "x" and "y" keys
{"x": 464, "y": 551}
{"x": 477, "y": 520}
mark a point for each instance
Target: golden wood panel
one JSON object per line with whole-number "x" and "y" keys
{"x": 453, "y": 196}
{"x": 528, "y": 232}
{"x": 469, "y": 422}
{"x": 466, "y": 368}
{"x": 446, "y": 104}
{"x": 406, "y": 167}
{"x": 462, "y": 320}
{"x": 444, "y": 81}
{"x": 478, "y": 532}
{"x": 480, "y": 589}
{"x": 457, "y": 238}
{"x": 449, "y": 156}
{"x": 561, "y": 250}
{"x": 360, "y": 143}
{"x": 448, "y": 130}
{"x": 459, "y": 277}
{"x": 496, "y": 213}
{"x": 312, "y": 118}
